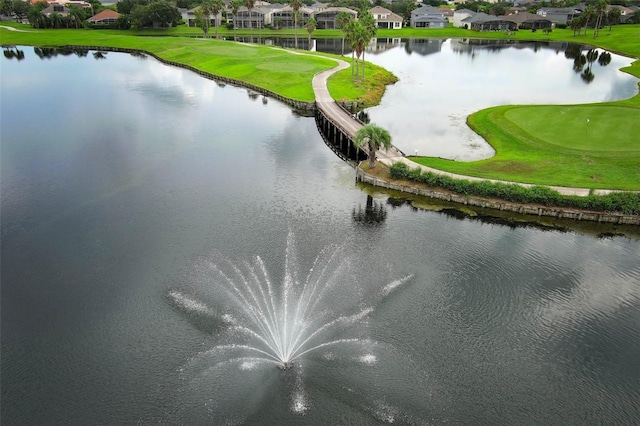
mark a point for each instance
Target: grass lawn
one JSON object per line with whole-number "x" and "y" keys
{"x": 555, "y": 145}
{"x": 547, "y": 145}
{"x": 277, "y": 70}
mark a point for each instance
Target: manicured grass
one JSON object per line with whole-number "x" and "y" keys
{"x": 534, "y": 144}
{"x": 277, "y": 70}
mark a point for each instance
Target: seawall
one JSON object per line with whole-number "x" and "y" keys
{"x": 530, "y": 209}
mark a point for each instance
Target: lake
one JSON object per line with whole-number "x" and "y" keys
{"x": 135, "y": 199}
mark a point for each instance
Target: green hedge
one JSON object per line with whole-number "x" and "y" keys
{"x": 623, "y": 202}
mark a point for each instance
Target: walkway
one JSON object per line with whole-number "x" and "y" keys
{"x": 341, "y": 118}
{"x": 350, "y": 126}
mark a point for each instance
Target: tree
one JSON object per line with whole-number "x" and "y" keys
{"x": 76, "y": 16}
{"x": 213, "y": 7}
{"x": 235, "y": 5}
{"x": 295, "y": 7}
{"x": 342, "y": 20}
{"x": 311, "y": 27}
{"x": 163, "y": 13}
{"x": 576, "y": 24}
{"x": 370, "y": 29}
{"x": 249, "y": 4}
{"x": 613, "y": 16}
{"x": 6, "y": 7}
{"x": 587, "y": 16}
{"x": 55, "y": 20}
{"x": 20, "y": 9}
{"x": 600, "y": 12}
{"x": 202, "y": 21}
{"x": 36, "y": 18}
{"x": 375, "y": 138}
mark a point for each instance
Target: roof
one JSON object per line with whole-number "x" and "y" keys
{"x": 105, "y": 14}
{"x": 391, "y": 17}
{"x": 521, "y": 17}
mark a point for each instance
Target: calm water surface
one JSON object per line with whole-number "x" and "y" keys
{"x": 442, "y": 81}
{"x": 120, "y": 177}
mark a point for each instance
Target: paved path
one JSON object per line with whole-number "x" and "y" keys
{"x": 350, "y": 125}
{"x": 338, "y": 115}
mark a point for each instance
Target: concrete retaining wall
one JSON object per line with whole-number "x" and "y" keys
{"x": 300, "y": 105}
{"x": 558, "y": 212}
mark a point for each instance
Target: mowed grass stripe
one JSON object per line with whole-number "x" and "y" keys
{"x": 523, "y": 156}
{"x": 584, "y": 128}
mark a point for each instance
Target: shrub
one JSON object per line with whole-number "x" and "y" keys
{"x": 624, "y": 202}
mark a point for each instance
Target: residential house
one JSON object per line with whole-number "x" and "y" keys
{"x": 284, "y": 17}
{"x": 257, "y": 18}
{"x": 460, "y": 15}
{"x": 559, "y": 15}
{"x": 106, "y": 17}
{"x": 326, "y": 19}
{"x": 529, "y": 21}
{"x": 386, "y": 19}
{"x": 484, "y": 22}
{"x": 189, "y": 17}
{"x": 56, "y": 8}
{"x": 447, "y": 13}
{"x": 428, "y": 17}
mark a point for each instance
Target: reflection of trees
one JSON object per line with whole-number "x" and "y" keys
{"x": 99, "y": 55}
{"x": 373, "y": 214}
{"x": 580, "y": 60}
{"x": 13, "y": 52}
{"x": 51, "y": 52}
{"x": 604, "y": 59}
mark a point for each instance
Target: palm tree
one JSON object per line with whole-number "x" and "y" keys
{"x": 249, "y": 4}
{"x": 375, "y": 138}
{"x": 235, "y": 6}
{"x": 295, "y": 6}
{"x": 575, "y": 24}
{"x": 215, "y": 7}
{"x": 311, "y": 27}
{"x": 342, "y": 20}
{"x": 370, "y": 28}
{"x": 613, "y": 16}
{"x": 202, "y": 20}
{"x": 600, "y": 11}
{"x": 588, "y": 14}
{"x": 55, "y": 20}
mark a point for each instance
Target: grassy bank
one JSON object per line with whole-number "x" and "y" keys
{"x": 276, "y": 70}
{"x": 544, "y": 145}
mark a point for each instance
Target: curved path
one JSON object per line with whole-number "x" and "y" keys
{"x": 350, "y": 125}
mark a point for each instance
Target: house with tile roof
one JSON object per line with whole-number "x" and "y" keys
{"x": 529, "y": 21}
{"x": 106, "y": 17}
{"x": 484, "y": 22}
{"x": 386, "y": 19}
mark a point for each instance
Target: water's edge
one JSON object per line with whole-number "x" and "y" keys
{"x": 529, "y": 209}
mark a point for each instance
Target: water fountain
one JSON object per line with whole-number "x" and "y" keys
{"x": 308, "y": 326}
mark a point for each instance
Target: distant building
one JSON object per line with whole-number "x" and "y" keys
{"x": 560, "y": 15}
{"x": 386, "y": 19}
{"x": 106, "y": 17}
{"x": 529, "y": 21}
{"x": 327, "y": 18}
{"x": 428, "y": 17}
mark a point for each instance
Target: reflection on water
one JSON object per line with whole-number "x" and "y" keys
{"x": 442, "y": 81}
{"x": 103, "y": 217}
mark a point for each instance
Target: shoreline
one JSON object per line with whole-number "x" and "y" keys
{"x": 311, "y": 107}
{"x": 501, "y": 205}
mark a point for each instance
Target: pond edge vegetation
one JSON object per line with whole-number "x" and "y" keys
{"x": 620, "y": 206}
{"x": 615, "y": 207}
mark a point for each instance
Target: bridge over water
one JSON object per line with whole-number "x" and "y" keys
{"x": 337, "y": 125}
